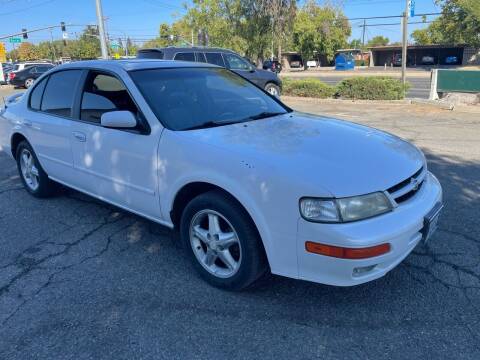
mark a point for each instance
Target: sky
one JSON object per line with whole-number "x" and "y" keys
{"x": 140, "y": 19}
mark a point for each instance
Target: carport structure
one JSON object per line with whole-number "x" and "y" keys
{"x": 384, "y": 55}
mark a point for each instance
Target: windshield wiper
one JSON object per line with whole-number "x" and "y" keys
{"x": 211, "y": 124}
{"x": 264, "y": 115}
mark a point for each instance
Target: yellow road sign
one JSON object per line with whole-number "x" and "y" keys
{"x": 3, "y": 53}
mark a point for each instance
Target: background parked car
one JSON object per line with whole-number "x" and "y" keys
{"x": 27, "y": 64}
{"x": 272, "y": 65}
{"x": 222, "y": 57}
{"x": 428, "y": 60}
{"x": 26, "y": 77}
{"x": 451, "y": 60}
{"x": 6, "y": 69}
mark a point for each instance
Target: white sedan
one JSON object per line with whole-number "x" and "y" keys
{"x": 251, "y": 185}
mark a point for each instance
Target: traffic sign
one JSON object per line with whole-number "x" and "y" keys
{"x": 411, "y": 8}
{"x": 15, "y": 40}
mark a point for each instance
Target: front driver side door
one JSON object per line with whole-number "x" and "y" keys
{"x": 242, "y": 67}
{"x": 117, "y": 165}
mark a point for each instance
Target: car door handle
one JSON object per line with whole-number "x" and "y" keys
{"x": 79, "y": 136}
{"x": 27, "y": 123}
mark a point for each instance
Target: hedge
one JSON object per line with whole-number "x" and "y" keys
{"x": 307, "y": 88}
{"x": 372, "y": 88}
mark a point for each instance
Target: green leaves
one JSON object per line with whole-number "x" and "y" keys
{"x": 320, "y": 29}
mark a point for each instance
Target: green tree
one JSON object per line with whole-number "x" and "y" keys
{"x": 320, "y": 29}
{"x": 355, "y": 44}
{"x": 378, "y": 41}
{"x": 281, "y": 14}
{"x": 459, "y": 23}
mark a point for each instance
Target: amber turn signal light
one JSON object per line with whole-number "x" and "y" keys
{"x": 346, "y": 253}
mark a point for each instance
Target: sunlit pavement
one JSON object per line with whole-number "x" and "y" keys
{"x": 83, "y": 280}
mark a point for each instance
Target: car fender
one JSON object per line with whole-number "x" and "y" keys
{"x": 227, "y": 184}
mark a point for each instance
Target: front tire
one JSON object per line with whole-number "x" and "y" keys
{"x": 273, "y": 89}
{"x": 34, "y": 178}
{"x": 222, "y": 241}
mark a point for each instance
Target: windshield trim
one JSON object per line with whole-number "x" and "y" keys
{"x": 277, "y": 100}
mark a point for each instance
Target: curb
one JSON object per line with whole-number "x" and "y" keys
{"x": 343, "y": 101}
{"x": 434, "y": 103}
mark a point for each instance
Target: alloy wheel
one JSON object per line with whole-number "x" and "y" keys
{"x": 29, "y": 170}
{"x": 215, "y": 243}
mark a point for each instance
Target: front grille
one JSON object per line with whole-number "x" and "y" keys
{"x": 407, "y": 188}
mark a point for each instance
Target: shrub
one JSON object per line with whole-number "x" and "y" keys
{"x": 372, "y": 88}
{"x": 307, "y": 88}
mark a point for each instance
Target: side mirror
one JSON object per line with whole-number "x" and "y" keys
{"x": 118, "y": 119}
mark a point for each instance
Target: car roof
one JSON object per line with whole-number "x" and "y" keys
{"x": 134, "y": 64}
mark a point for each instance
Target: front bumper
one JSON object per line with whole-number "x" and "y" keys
{"x": 401, "y": 228}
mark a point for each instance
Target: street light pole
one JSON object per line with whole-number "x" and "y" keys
{"x": 101, "y": 29}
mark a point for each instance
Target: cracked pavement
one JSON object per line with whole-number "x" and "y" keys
{"x": 80, "y": 279}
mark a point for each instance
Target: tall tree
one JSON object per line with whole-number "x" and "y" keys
{"x": 320, "y": 29}
{"x": 281, "y": 14}
{"x": 459, "y": 23}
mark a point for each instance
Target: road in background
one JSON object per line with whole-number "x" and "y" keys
{"x": 81, "y": 279}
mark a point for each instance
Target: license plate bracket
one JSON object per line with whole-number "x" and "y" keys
{"x": 430, "y": 222}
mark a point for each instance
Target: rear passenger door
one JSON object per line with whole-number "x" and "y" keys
{"x": 117, "y": 165}
{"x": 48, "y": 122}
{"x": 214, "y": 58}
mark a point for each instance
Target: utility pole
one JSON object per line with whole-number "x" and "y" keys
{"x": 53, "y": 47}
{"x": 101, "y": 29}
{"x": 405, "y": 42}
{"x": 364, "y": 29}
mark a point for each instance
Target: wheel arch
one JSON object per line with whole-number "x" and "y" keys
{"x": 15, "y": 140}
{"x": 193, "y": 189}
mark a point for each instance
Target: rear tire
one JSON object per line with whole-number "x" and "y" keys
{"x": 34, "y": 178}
{"x": 210, "y": 222}
{"x": 29, "y": 82}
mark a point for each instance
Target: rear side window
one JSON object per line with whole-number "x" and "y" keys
{"x": 201, "y": 57}
{"x": 215, "y": 59}
{"x": 42, "y": 69}
{"x": 36, "y": 96}
{"x": 60, "y": 92}
{"x": 185, "y": 56}
{"x": 150, "y": 54}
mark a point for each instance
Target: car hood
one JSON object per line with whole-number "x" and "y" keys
{"x": 344, "y": 158}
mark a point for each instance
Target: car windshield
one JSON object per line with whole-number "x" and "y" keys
{"x": 192, "y": 98}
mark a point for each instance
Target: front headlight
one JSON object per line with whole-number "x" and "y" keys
{"x": 345, "y": 209}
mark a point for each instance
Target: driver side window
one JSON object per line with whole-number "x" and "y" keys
{"x": 104, "y": 93}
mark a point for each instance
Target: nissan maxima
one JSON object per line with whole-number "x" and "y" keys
{"x": 251, "y": 185}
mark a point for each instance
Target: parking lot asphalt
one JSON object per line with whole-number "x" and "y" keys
{"x": 83, "y": 280}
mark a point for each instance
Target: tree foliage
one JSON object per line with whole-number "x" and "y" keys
{"x": 459, "y": 23}
{"x": 320, "y": 29}
{"x": 378, "y": 41}
{"x": 86, "y": 47}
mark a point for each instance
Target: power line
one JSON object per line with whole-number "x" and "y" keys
{"x": 392, "y": 16}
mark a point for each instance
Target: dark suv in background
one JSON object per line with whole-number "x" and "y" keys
{"x": 222, "y": 57}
